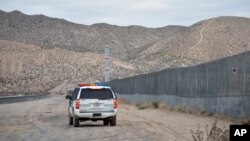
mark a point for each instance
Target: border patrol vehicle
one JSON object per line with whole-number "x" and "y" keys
{"x": 93, "y": 102}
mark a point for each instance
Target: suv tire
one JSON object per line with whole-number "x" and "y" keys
{"x": 113, "y": 121}
{"x": 70, "y": 119}
{"x": 105, "y": 122}
{"x": 75, "y": 121}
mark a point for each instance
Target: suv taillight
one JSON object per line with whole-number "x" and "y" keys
{"x": 115, "y": 103}
{"x": 77, "y": 103}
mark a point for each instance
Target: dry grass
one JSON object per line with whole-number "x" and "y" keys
{"x": 241, "y": 121}
{"x": 164, "y": 106}
{"x": 145, "y": 105}
{"x": 245, "y": 122}
{"x": 123, "y": 101}
{"x": 214, "y": 134}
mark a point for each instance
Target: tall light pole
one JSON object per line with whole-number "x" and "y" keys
{"x": 106, "y": 63}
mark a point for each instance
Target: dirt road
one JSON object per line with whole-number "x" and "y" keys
{"x": 46, "y": 120}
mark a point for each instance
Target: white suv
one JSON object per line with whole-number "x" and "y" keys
{"x": 93, "y": 103}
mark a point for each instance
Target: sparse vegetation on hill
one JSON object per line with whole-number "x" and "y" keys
{"x": 30, "y": 68}
{"x": 45, "y": 52}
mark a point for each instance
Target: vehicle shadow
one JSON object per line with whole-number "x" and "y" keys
{"x": 92, "y": 124}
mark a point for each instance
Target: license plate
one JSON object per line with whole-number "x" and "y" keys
{"x": 97, "y": 114}
{"x": 96, "y": 104}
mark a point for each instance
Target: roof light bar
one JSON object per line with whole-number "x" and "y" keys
{"x": 92, "y": 84}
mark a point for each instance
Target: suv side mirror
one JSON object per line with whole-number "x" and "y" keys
{"x": 70, "y": 92}
{"x": 68, "y": 97}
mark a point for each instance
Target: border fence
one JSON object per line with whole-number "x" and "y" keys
{"x": 221, "y": 86}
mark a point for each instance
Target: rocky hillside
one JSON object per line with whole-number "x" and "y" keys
{"x": 202, "y": 42}
{"x": 51, "y": 33}
{"x": 29, "y": 68}
{"x": 38, "y": 52}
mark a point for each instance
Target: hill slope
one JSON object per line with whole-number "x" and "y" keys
{"x": 51, "y": 32}
{"x": 202, "y": 42}
{"x": 28, "y": 68}
{"x": 39, "y": 52}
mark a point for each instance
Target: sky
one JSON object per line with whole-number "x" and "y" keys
{"x": 149, "y": 13}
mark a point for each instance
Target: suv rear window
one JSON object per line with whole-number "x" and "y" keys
{"x": 75, "y": 93}
{"x": 96, "y": 94}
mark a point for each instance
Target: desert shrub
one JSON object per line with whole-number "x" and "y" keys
{"x": 143, "y": 105}
{"x": 198, "y": 134}
{"x": 214, "y": 134}
{"x": 155, "y": 104}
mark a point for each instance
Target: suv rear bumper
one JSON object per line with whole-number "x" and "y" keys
{"x": 89, "y": 115}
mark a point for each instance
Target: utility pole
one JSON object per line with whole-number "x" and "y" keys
{"x": 106, "y": 63}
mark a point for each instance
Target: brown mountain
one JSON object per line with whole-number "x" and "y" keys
{"x": 202, "y": 42}
{"x": 39, "y": 50}
{"x": 51, "y": 32}
{"x": 29, "y": 68}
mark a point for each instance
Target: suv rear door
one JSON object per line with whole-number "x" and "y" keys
{"x": 74, "y": 97}
{"x": 96, "y": 100}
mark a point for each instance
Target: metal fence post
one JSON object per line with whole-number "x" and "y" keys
{"x": 207, "y": 78}
{"x": 229, "y": 77}
{"x": 188, "y": 90}
{"x": 244, "y": 74}
{"x": 218, "y": 78}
